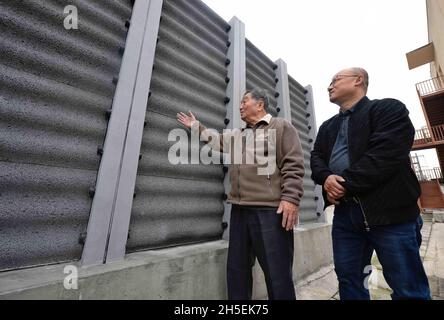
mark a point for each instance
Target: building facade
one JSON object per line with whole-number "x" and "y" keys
{"x": 431, "y": 96}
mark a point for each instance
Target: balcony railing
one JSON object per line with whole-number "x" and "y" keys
{"x": 428, "y": 174}
{"x": 430, "y": 86}
{"x": 438, "y": 132}
{"x": 424, "y": 136}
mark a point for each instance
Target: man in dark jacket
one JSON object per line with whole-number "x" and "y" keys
{"x": 361, "y": 158}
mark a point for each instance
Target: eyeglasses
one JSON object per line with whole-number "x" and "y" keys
{"x": 340, "y": 76}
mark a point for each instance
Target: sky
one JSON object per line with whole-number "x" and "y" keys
{"x": 318, "y": 38}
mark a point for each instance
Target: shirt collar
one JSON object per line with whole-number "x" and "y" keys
{"x": 266, "y": 119}
{"x": 352, "y": 109}
{"x": 348, "y": 112}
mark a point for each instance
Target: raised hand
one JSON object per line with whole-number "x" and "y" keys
{"x": 186, "y": 120}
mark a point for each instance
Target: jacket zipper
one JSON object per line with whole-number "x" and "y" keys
{"x": 367, "y": 227}
{"x": 238, "y": 182}
{"x": 269, "y": 184}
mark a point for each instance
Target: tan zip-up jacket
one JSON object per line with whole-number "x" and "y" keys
{"x": 267, "y": 171}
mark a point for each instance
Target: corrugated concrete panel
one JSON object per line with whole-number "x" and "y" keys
{"x": 179, "y": 204}
{"x": 299, "y": 115}
{"x": 261, "y": 74}
{"x": 55, "y": 88}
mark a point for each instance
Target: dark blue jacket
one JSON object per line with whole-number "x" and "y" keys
{"x": 380, "y": 137}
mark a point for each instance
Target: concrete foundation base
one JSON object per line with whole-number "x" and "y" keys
{"x": 194, "y": 272}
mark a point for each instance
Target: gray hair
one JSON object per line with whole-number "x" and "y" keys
{"x": 363, "y": 73}
{"x": 259, "y": 94}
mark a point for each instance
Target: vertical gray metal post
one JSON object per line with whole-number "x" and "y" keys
{"x": 283, "y": 89}
{"x": 104, "y": 202}
{"x": 312, "y": 134}
{"x": 235, "y": 89}
{"x": 120, "y": 219}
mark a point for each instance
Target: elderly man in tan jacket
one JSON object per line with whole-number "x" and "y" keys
{"x": 266, "y": 174}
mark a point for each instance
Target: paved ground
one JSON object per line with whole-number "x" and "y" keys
{"x": 323, "y": 285}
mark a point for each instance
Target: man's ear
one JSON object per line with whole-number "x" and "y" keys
{"x": 261, "y": 104}
{"x": 359, "y": 80}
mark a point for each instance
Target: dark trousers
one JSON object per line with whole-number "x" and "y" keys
{"x": 257, "y": 232}
{"x": 397, "y": 247}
